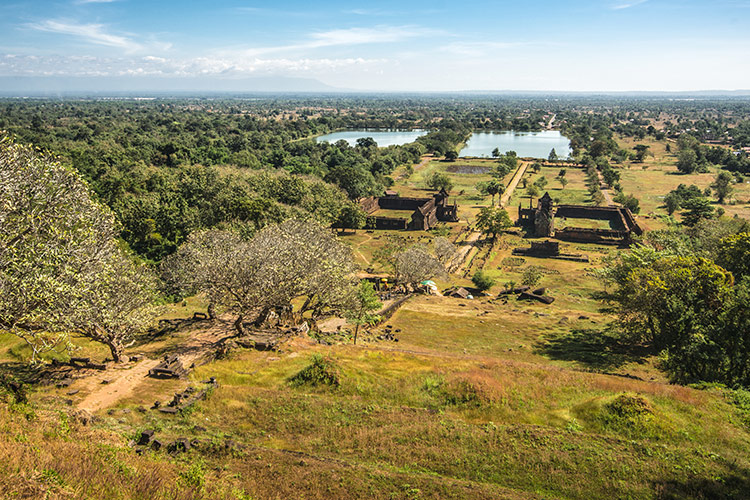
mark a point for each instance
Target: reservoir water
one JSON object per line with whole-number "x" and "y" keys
{"x": 382, "y": 137}
{"x": 525, "y": 144}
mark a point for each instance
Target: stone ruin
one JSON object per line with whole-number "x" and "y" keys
{"x": 427, "y": 212}
{"x": 542, "y": 219}
{"x": 526, "y": 293}
{"x": 170, "y": 367}
{"x": 186, "y": 398}
{"x": 549, "y": 250}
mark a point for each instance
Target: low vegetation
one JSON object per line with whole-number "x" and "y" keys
{"x": 632, "y": 383}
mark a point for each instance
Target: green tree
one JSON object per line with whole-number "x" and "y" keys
{"x": 439, "y": 180}
{"x": 722, "y": 186}
{"x": 733, "y": 254}
{"x": 696, "y": 209}
{"x": 563, "y": 181}
{"x": 552, "y": 156}
{"x": 628, "y": 201}
{"x": 351, "y": 216}
{"x": 531, "y": 276}
{"x": 672, "y": 202}
{"x": 493, "y": 220}
{"x": 451, "y": 155}
{"x": 54, "y": 242}
{"x": 364, "y": 304}
{"x": 641, "y": 150}
{"x": 482, "y": 280}
{"x": 687, "y": 161}
{"x": 491, "y": 188}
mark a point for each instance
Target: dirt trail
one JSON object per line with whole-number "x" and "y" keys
{"x": 468, "y": 249}
{"x": 605, "y": 190}
{"x": 461, "y": 258}
{"x": 122, "y": 381}
{"x": 508, "y": 194}
{"x": 418, "y": 166}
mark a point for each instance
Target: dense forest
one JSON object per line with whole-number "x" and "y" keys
{"x": 170, "y": 166}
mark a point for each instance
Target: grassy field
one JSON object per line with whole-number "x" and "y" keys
{"x": 485, "y": 398}
{"x": 658, "y": 175}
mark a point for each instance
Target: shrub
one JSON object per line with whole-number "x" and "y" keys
{"x": 322, "y": 371}
{"x": 629, "y": 406}
{"x": 482, "y": 280}
{"x": 531, "y": 276}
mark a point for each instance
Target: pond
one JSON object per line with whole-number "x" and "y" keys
{"x": 468, "y": 169}
{"x": 525, "y": 144}
{"x": 382, "y": 137}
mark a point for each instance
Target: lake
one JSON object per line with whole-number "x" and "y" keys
{"x": 382, "y": 137}
{"x": 531, "y": 144}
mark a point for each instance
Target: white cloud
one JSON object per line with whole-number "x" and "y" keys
{"x": 92, "y": 33}
{"x": 97, "y": 34}
{"x": 349, "y": 36}
{"x": 628, "y": 4}
{"x": 227, "y": 67}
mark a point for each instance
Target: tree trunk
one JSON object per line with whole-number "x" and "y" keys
{"x": 262, "y": 317}
{"x": 356, "y": 331}
{"x": 116, "y": 348}
{"x": 238, "y": 326}
{"x": 211, "y": 311}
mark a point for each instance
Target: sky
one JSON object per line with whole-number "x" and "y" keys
{"x": 436, "y": 45}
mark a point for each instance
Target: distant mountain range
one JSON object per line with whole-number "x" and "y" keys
{"x": 33, "y": 85}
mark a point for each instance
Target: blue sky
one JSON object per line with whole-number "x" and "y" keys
{"x": 389, "y": 45}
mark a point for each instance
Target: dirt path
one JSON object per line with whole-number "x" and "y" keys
{"x": 106, "y": 388}
{"x": 508, "y": 194}
{"x": 464, "y": 253}
{"x": 369, "y": 238}
{"x": 605, "y": 190}
{"x": 418, "y": 166}
{"x": 469, "y": 249}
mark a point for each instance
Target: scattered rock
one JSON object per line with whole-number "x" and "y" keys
{"x": 156, "y": 445}
{"x": 74, "y": 391}
{"x": 82, "y": 416}
{"x": 179, "y": 446}
{"x": 145, "y": 437}
{"x": 65, "y": 383}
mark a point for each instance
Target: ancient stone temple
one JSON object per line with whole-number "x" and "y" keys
{"x": 544, "y": 217}
{"x": 425, "y": 212}
{"x": 619, "y": 221}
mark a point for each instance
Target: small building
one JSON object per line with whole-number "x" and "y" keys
{"x": 426, "y": 212}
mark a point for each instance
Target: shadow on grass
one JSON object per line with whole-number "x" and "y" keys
{"x": 734, "y": 485}
{"x": 596, "y": 349}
